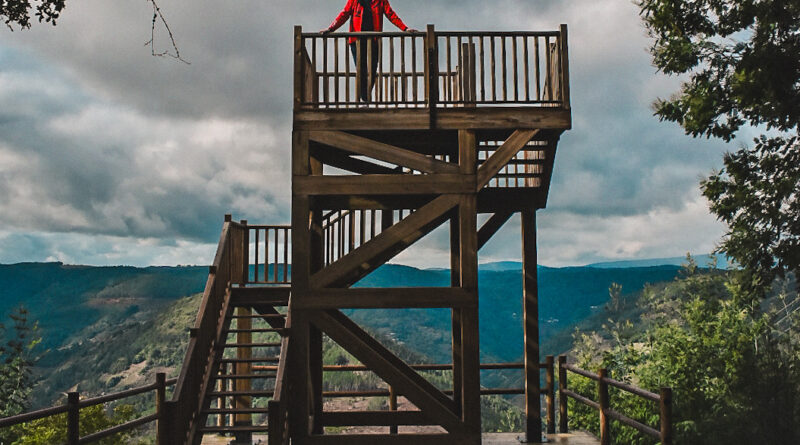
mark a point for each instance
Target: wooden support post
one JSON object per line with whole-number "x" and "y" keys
{"x": 73, "y": 418}
{"x": 455, "y": 313}
{"x": 602, "y": 398}
{"x": 245, "y": 253}
{"x": 298, "y": 66}
{"x": 165, "y": 427}
{"x": 244, "y": 323}
{"x": 550, "y": 396}
{"x": 432, "y": 83}
{"x": 530, "y": 309}
{"x": 392, "y": 407}
{"x": 562, "y": 397}
{"x": 315, "y": 370}
{"x": 666, "y": 416}
{"x": 161, "y": 397}
{"x": 468, "y": 269}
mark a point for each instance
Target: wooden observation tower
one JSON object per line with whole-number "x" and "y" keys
{"x": 457, "y": 125}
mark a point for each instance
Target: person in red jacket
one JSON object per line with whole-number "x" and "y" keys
{"x": 366, "y": 15}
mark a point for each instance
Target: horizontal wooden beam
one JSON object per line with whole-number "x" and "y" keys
{"x": 365, "y": 258}
{"x": 364, "y": 298}
{"x": 423, "y": 394}
{"x": 479, "y": 118}
{"x": 383, "y": 184}
{"x": 269, "y": 295}
{"x": 382, "y": 152}
{"x": 374, "y": 418}
{"x": 383, "y": 439}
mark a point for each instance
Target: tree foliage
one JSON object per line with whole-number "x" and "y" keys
{"x": 742, "y": 60}
{"x": 17, "y": 357}
{"x": 18, "y": 12}
{"x": 734, "y": 379}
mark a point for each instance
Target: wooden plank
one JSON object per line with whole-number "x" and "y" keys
{"x": 249, "y": 296}
{"x": 470, "y": 344}
{"x": 455, "y": 314}
{"x": 383, "y": 152}
{"x": 406, "y": 297}
{"x": 446, "y": 118}
{"x": 383, "y": 184}
{"x": 502, "y": 156}
{"x": 385, "y": 245}
{"x": 530, "y": 311}
{"x": 490, "y": 227}
{"x": 383, "y": 439}
{"x": 374, "y": 418}
{"x": 423, "y": 394}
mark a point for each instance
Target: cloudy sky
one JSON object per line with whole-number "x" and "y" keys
{"x": 111, "y": 156}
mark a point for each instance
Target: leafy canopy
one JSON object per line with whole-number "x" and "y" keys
{"x": 19, "y": 11}
{"x": 742, "y": 60}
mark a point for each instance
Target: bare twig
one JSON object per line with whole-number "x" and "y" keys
{"x": 159, "y": 17}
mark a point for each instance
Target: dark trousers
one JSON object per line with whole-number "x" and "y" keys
{"x": 365, "y": 76}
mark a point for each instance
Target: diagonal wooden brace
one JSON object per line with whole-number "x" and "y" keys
{"x": 382, "y": 152}
{"x": 433, "y": 403}
{"x": 367, "y": 257}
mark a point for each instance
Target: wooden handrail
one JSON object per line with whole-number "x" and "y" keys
{"x": 74, "y": 404}
{"x": 431, "y": 69}
{"x": 664, "y": 399}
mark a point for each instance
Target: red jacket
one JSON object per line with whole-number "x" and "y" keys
{"x": 379, "y": 8}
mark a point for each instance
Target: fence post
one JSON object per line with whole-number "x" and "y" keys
{"x": 432, "y": 91}
{"x": 602, "y": 397}
{"x": 161, "y": 423}
{"x": 550, "y": 395}
{"x": 562, "y": 398}
{"x": 245, "y": 253}
{"x": 274, "y": 423}
{"x": 73, "y": 418}
{"x": 392, "y": 407}
{"x": 666, "y": 416}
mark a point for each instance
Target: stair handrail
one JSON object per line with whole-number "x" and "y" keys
{"x": 277, "y": 420}
{"x": 227, "y": 269}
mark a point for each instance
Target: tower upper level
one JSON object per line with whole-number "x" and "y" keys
{"x": 480, "y": 80}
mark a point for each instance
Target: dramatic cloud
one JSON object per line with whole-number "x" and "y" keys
{"x": 107, "y": 151}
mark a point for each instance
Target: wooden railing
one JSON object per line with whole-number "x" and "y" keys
{"x": 432, "y": 69}
{"x": 525, "y": 169}
{"x": 228, "y": 268}
{"x": 278, "y": 407}
{"x": 74, "y": 405}
{"x": 603, "y": 404}
{"x": 345, "y": 230}
{"x": 268, "y": 254}
{"x": 548, "y": 390}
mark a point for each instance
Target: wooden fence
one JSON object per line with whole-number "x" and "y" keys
{"x": 432, "y": 69}
{"x": 74, "y": 405}
{"x": 603, "y": 404}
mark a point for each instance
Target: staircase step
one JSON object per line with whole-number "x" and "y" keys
{"x": 213, "y": 411}
{"x": 272, "y": 316}
{"x": 244, "y": 376}
{"x": 241, "y": 393}
{"x": 234, "y": 429}
{"x": 254, "y": 330}
{"x": 252, "y": 345}
{"x": 260, "y": 295}
{"x": 251, "y": 359}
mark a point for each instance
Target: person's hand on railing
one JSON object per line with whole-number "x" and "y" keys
{"x": 325, "y": 31}
{"x": 411, "y": 30}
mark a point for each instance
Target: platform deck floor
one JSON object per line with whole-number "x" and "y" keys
{"x": 576, "y": 438}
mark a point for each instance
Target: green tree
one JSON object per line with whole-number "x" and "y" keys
{"x": 19, "y": 11}
{"x": 53, "y": 429}
{"x": 742, "y": 61}
{"x": 17, "y": 358}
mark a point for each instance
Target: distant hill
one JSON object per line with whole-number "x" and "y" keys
{"x": 702, "y": 261}
{"x": 84, "y": 311}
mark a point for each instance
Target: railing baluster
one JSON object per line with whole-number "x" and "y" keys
{"x": 346, "y": 71}
{"x": 266, "y": 255}
{"x": 403, "y": 86}
{"x": 286, "y": 255}
{"x": 527, "y": 69}
{"x": 275, "y": 264}
{"x": 414, "y": 87}
{"x": 514, "y": 65}
{"x": 325, "y": 70}
{"x": 336, "y": 71}
{"x": 392, "y": 80}
{"x": 505, "y": 73}
{"x": 536, "y": 67}
{"x": 602, "y": 398}
{"x": 73, "y": 418}
{"x": 494, "y": 80}
{"x": 483, "y": 71}
{"x": 548, "y": 69}
{"x": 256, "y": 255}
{"x": 371, "y": 76}
{"x": 448, "y": 83}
